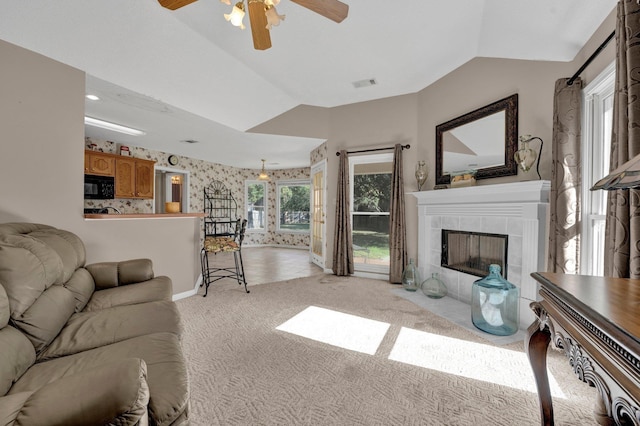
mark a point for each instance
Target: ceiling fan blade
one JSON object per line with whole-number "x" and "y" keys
{"x": 175, "y": 4}
{"x": 258, "y": 20}
{"x": 332, "y": 9}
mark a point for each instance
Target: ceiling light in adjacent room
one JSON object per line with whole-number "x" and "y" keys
{"x": 90, "y": 121}
{"x": 263, "y": 174}
{"x": 92, "y": 97}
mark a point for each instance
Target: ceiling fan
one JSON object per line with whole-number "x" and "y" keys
{"x": 258, "y": 10}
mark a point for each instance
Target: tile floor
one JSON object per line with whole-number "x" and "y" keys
{"x": 457, "y": 312}
{"x": 270, "y": 264}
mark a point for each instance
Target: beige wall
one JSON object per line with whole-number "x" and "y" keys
{"x": 412, "y": 118}
{"x": 41, "y": 178}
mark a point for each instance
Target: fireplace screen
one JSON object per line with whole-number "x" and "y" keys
{"x": 473, "y": 252}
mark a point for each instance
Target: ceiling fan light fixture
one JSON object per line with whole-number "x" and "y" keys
{"x": 273, "y": 19}
{"x": 236, "y": 15}
{"x": 263, "y": 174}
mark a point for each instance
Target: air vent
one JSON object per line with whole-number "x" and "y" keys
{"x": 364, "y": 83}
{"x": 189, "y": 141}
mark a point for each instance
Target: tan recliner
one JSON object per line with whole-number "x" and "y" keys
{"x": 83, "y": 345}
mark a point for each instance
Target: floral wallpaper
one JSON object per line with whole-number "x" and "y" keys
{"x": 201, "y": 174}
{"x": 318, "y": 154}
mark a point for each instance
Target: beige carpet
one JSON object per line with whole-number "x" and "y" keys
{"x": 244, "y": 371}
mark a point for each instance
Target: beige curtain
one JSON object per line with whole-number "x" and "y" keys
{"x": 622, "y": 233}
{"x": 342, "y": 240}
{"x": 397, "y": 226}
{"x": 565, "y": 215}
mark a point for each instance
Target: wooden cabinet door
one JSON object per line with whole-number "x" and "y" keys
{"x": 97, "y": 163}
{"x": 125, "y": 178}
{"x": 144, "y": 178}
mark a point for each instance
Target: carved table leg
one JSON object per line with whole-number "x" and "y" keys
{"x": 537, "y": 345}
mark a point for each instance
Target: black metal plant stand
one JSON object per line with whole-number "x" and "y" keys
{"x": 223, "y": 233}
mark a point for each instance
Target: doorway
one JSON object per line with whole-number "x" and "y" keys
{"x": 318, "y": 209}
{"x": 172, "y": 190}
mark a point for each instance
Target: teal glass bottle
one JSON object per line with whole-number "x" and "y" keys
{"x": 410, "y": 277}
{"x": 495, "y": 304}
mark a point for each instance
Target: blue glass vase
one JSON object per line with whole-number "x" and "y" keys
{"x": 495, "y": 304}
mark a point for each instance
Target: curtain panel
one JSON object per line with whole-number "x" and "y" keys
{"x": 565, "y": 197}
{"x": 342, "y": 239}
{"x": 622, "y": 232}
{"x": 397, "y": 225}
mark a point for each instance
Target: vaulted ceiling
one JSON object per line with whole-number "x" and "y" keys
{"x": 189, "y": 75}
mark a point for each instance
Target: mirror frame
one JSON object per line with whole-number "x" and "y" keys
{"x": 510, "y": 167}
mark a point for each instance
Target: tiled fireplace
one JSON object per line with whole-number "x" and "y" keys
{"x": 518, "y": 210}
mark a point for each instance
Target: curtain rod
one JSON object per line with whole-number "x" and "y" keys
{"x": 407, "y": 146}
{"x": 591, "y": 58}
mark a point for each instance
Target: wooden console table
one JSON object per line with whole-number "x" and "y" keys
{"x": 596, "y": 321}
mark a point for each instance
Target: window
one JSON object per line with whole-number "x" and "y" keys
{"x": 596, "y": 153}
{"x": 293, "y": 206}
{"x": 371, "y": 199}
{"x": 256, "y": 202}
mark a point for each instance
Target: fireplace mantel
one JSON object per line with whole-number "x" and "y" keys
{"x": 519, "y": 210}
{"x": 536, "y": 191}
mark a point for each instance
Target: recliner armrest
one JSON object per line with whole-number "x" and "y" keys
{"x": 116, "y": 393}
{"x": 114, "y": 274}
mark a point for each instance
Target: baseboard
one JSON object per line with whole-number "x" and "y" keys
{"x": 372, "y": 275}
{"x": 188, "y": 293}
{"x": 276, "y": 246}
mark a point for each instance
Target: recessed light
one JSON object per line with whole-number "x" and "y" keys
{"x": 92, "y": 97}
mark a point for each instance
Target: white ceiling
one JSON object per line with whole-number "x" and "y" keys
{"x": 188, "y": 74}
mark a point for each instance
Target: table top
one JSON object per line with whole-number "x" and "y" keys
{"x": 604, "y": 300}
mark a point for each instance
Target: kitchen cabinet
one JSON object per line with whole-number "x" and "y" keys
{"x": 99, "y": 163}
{"x": 134, "y": 178}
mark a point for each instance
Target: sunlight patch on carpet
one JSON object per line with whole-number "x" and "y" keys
{"x": 467, "y": 359}
{"x": 338, "y": 329}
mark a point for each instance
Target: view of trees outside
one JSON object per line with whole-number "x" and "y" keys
{"x": 294, "y": 202}
{"x": 371, "y": 202}
{"x": 256, "y": 218}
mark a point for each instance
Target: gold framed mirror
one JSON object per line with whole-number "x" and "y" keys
{"x": 483, "y": 140}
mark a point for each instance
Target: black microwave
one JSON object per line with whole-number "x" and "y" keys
{"x": 99, "y": 187}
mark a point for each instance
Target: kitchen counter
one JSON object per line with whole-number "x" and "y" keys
{"x": 142, "y": 215}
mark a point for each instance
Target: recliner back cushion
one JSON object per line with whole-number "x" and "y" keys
{"x": 5, "y": 314}
{"x": 27, "y": 268}
{"x": 16, "y": 356}
{"x": 16, "y": 352}
{"x": 34, "y": 267}
{"x": 67, "y": 245}
{"x": 82, "y": 285}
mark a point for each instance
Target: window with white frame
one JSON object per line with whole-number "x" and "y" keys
{"x": 370, "y": 177}
{"x": 255, "y": 196}
{"x": 293, "y": 199}
{"x": 596, "y": 153}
